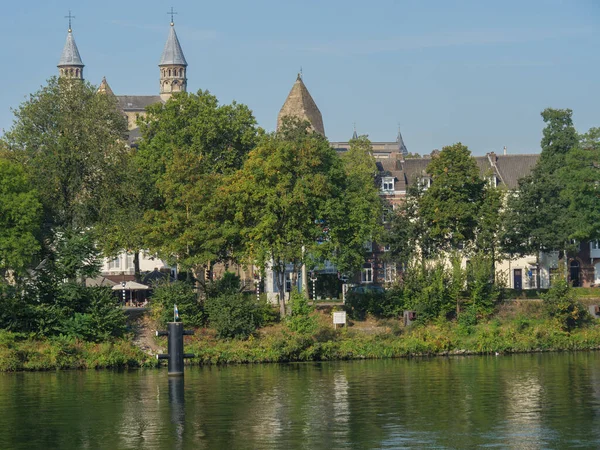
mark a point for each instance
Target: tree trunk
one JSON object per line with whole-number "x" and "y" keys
{"x": 538, "y": 275}
{"x": 136, "y": 267}
{"x": 279, "y": 276}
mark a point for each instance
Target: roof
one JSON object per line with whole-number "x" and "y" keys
{"x": 401, "y": 147}
{"x": 104, "y": 88}
{"x": 137, "y": 102}
{"x": 300, "y": 104}
{"x": 172, "y": 53}
{"x": 509, "y": 169}
{"x": 70, "y": 54}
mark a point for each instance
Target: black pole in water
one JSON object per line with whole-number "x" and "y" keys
{"x": 175, "y": 333}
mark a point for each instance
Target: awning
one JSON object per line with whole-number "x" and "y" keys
{"x": 130, "y": 286}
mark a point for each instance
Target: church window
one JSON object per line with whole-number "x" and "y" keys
{"x": 169, "y": 72}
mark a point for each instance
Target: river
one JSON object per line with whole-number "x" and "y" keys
{"x": 509, "y": 401}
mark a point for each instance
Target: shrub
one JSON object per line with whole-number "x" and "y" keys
{"x": 229, "y": 283}
{"x": 301, "y": 319}
{"x": 233, "y": 315}
{"x": 388, "y": 304}
{"x": 562, "y": 306}
{"x": 179, "y": 293}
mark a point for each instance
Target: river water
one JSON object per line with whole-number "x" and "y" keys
{"x": 514, "y": 401}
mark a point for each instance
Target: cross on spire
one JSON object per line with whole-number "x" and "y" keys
{"x": 69, "y": 17}
{"x": 172, "y": 13}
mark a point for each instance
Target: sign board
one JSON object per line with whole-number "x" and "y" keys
{"x": 339, "y": 318}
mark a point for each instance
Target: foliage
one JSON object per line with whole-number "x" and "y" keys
{"x": 102, "y": 320}
{"x": 482, "y": 290}
{"x": 229, "y": 283}
{"x": 286, "y": 191}
{"x": 563, "y": 307}
{"x": 233, "y": 315}
{"x": 537, "y": 219}
{"x": 20, "y": 218}
{"x": 189, "y": 145}
{"x": 302, "y": 319}
{"x": 378, "y": 304}
{"x": 179, "y": 293}
{"x": 450, "y": 207}
{"x": 426, "y": 290}
{"x": 72, "y": 142}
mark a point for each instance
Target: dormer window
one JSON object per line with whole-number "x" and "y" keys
{"x": 387, "y": 184}
{"x": 425, "y": 183}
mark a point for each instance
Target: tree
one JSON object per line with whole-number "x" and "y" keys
{"x": 450, "y": 207}
{"x": 282, "y": 197}
{"x": 189, "y": 145}
{"x": 537, "y": 218}
{"x": 20, "y": 219}
{"x": 72, "y": 143}
{"x": 357, "y": 219}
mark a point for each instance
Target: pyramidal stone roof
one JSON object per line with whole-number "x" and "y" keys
{"x": 70, "y": 55}
{"x": 301, "y": 105}
{"x": 172, "y": 53}
{"x": 104, "y": 88}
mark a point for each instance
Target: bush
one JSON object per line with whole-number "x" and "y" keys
{"x": 233, "y": 315}
{"x": 301, "y": 320}
{"x": 388, "y": 304}
{"x": 179, "y": 293}
{"x": 229, "y": 283}
{"x": 562, "y": 306}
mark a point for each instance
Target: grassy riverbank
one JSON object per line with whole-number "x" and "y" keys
{"x": 518, "y": 327}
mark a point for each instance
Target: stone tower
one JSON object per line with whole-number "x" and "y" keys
{"x": 70, "y": 64}
{"x": 301, "y": 105}
{"x": 173, "y": 67}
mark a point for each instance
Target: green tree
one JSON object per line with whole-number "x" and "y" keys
{"x": 357, "y": 219}
{"x": 20, "y": 219}
{"x": 537, "y": 216}
{"x": 283, "y": 195}
{"x": 189, "y": 145}
{"x": 72, "y": 142}
{"x": 451, "y": 206}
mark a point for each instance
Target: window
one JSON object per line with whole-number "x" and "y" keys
{"x": 389, "y": 270}
{"x": 114, "y": 264}
{"x": 366, "y": 275}
{"x": 532, "y": 275}
{"x": 595, "y": 245}
{"x": 424, "y": 182}
{"x": 129, "y": 262}
{"x": 387, "y": 184}
{"x": 386, "y": 248}
{"x": 368, "y": 246}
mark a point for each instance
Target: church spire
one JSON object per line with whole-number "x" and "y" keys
{"x": 172, "y": 66}
{"x": 70, "y": 64}
{"x": 401, "y": 147}
{"x": 301, "y": 105}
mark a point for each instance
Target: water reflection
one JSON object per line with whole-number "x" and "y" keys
{"x": 522, "y": 401}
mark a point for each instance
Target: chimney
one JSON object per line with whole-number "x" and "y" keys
{"x": 505, "y": 150}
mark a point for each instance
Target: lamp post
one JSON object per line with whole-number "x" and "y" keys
{"x": 124, "y": 293}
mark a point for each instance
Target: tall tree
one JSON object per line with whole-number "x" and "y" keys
{"x": 20, "y": 219}
{"x": 72, "y": 143}
{"x": 357, "y": 218}
{"x": 282, "y": 198}
{"x": 189, "y": 145}
{"x": 450, "y": 207}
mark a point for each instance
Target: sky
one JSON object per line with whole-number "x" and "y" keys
{"x": 476, "y": 72}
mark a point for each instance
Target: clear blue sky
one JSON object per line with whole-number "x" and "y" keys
{"x": 478, "y": 72}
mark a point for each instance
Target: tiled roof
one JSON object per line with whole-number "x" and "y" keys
{"x": 301, "y": 105}
{"x": 172, "y": 53}
{"x": 508, "y": 168}
{"x": 137, "y": 102}
{"x": 70, "y": 54}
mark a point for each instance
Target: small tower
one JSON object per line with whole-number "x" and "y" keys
{"x": 70, "y": 64}
{"x": 104, "y": 88}
{"x": 401, "y": 146}
{"x": 301, "y": 105}
{"x": 173, "y": 66}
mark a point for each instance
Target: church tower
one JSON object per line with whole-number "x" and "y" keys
{"x": 70, "y": 64}
{"x": 301, "y": 105}
{"x": 173, "y": 67}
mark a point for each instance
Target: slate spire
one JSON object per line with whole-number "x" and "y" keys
{"x": 172, "y": 53}
{"x": 70, "y": 64}
{"x": 172, "y": 66}
{"x": 401, "y": 147}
